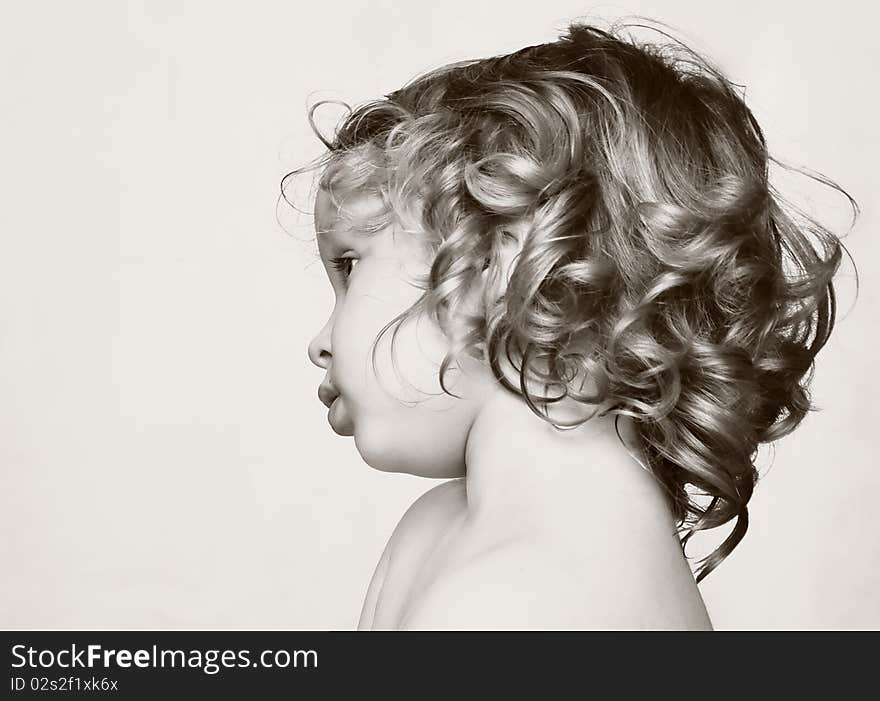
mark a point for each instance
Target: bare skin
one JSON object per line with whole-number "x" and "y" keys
{"x": 546, "y": 531}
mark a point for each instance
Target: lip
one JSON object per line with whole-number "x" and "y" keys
{"x": 337, "y": 416}
{"x": 327, "y": 394}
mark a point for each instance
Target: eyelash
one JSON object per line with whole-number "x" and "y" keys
{"x": 343, "y": 265}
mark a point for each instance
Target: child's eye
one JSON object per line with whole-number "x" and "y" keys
{"x": 344, "y": 265}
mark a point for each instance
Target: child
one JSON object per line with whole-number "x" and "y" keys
{"x": 564, "y": 281}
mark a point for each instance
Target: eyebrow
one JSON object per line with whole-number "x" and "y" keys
{"x": 335, "y": 244}
{"x": 337, "y": 231}
{"x": 332, "y": 230}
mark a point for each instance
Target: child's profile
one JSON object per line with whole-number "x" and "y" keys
{"x": 565, "y": 284}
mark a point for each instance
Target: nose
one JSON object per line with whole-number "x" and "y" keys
{"x": 319, "y": 348}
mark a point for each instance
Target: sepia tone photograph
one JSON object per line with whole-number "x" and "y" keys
{"x": 466, "y": 316}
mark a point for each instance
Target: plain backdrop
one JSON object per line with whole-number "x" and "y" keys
{"x": 164, "y": 460}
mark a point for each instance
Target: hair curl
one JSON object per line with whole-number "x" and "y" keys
{"x": 642, "y": 178}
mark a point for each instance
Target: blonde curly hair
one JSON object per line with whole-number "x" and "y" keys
{"x": 641, "y": 177}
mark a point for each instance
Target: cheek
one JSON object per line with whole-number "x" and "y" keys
{"x": 403, "y": 421}
{"x": 412, "y": 425}
{"x": 406, "y": 360}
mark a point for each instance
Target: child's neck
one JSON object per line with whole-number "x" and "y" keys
{"x": 523, "y": 472}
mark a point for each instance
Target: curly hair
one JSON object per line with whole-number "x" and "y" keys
{"x": 641, "y": 177}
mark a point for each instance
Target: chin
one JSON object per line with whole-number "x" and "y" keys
{"x": 388, "y": 451}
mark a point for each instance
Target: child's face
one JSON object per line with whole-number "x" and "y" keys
{"x": 399, "y": 417}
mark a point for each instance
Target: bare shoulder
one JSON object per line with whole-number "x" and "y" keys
{"x": 528, "y": 585}
{"x": 436, "y": 506}
{"x": 414, "y": 532}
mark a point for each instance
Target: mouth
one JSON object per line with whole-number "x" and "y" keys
{"x": 327, "y": 395}
{"x": 337, "y": 415}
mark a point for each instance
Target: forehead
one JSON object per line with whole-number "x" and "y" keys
{"x": 359, "y": 220}
{"x": 336, "y": 214}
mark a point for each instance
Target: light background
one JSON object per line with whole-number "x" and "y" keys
{"x": 164, "y": 461}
